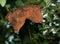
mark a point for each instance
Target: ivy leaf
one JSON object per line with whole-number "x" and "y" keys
{"x": 2, "y": 2}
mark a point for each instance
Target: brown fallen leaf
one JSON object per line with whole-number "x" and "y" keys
{"x": 18, "y": 16}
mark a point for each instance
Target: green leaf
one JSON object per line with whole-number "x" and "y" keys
{"x": 47, "y": 1}
{"x": 19, "y": 3}
{"x": 45, "y": 42}
{"x": 8, "y": 7}
{"x": 2, "y": 2}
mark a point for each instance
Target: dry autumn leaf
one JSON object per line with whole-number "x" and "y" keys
{"x": 18, "y": 16}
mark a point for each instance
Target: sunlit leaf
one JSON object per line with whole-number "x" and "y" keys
{"x": 2, "y": 2}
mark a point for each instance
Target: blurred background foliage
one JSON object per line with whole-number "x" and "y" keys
{"x": 31, "y": 33}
